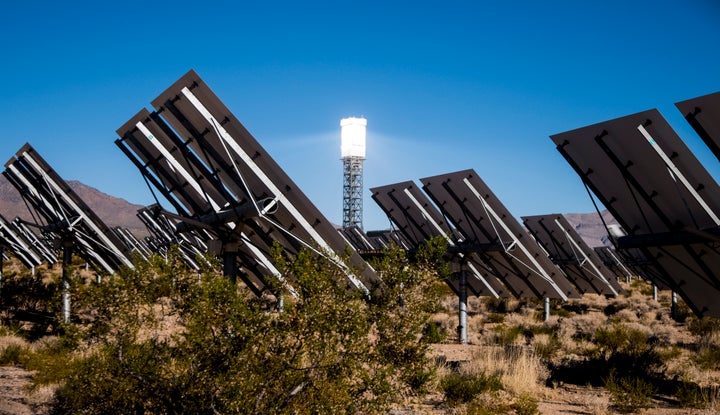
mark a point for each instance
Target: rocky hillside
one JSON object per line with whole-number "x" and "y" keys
{"x": 112, "y": 210}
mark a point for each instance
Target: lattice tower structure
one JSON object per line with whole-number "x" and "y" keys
{"x": 353, "y": 131}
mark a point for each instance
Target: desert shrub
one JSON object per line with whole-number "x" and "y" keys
{"x": 614, "y": 307}
{"x": 434, "y": 332}
{"x": 507, "y": 334}
{"x": 502, "y": 305}
{"x": 683, "y": 311}
{"x": 7, "y": 331}
{"x": 708, "y": 357}
{"x": 559, "y": 312}
{"x": 575, "y": 307}
{"x": 492, "y": 403}
{"x": 644, "y": 287}
{"x": 332, "y": 350}
{"x": 495, "y": 318}
{"x": 703, "y": 326}
{"x": 13, "y": 354}
{"x": 526, "y": 404}
{"x": 31, "y": 298}
{"x": 629, "y": 352}
{"x": 629, "y": 394}
{"x": 667, "y": 354}
{"x": 545, "y": 347}
{"x": 52, "y": 358}
{"x": 464, "y": 387}
{"x": 691, "y": 395}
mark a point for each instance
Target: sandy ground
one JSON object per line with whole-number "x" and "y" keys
{"x": 17, "y": 399}
{"x": 14, "y": 395}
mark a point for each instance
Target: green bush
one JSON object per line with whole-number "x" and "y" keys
{"x": 464, "y": 387}
{"x": 703, "y": 326}
{"x": 627, "y": 351}
{"x": 708, "y": 357}
{"x": 547, "y": 350}
{"x": 13, "y": 354}
{"x": 692, "y": 395}
{"x": 488, "y": 405}
{"x": 526, "y": 404}
{"x": 52, "y": 360}
{"x": 332, "y": 350}
{"x": 434, "y": 332}
{"x": 507, "y": 335}
{"x": 629, "y": 394}
{"x": 495, "y": 318}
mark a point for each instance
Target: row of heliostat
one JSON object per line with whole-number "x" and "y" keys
{"x": 229, "y": 197}
{"x": 666, "y": 202}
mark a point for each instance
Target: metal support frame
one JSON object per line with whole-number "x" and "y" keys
{"x": 583, "y": 259}
{"x": 352, "y": 192}
{"x": 454, "y": 247}
{"x": 678, "y": 175}
{"x": 628, "y": 274}
{"x": 533, "y": 266}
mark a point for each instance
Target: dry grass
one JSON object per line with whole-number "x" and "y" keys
{"x": 572, "y": 335}
{"x": 596, "y": 402}
{"x": 518, "y": 368}
{"x": 12, "y": 340}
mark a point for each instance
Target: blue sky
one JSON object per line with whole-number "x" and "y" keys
{"x": 445, "y": 85}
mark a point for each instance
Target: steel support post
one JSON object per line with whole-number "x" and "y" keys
{"x": 674, "y": 306}
{"x": 67, "y": 260}
{"x": 462, "y": 308}
{"x": 280, "y": 303}
{"x": 2, "y": 252}
{"x": 655, "y": 292}
{"x": 230, "y": 265}
{"x": 547, "y": 308}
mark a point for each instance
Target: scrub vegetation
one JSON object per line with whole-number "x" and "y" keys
{"x": 163, "y": 339}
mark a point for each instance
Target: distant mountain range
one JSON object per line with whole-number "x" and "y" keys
{"x": 590, "y": 227}
{"x": 111, "y": 210}
{"x": 119, "y": 212}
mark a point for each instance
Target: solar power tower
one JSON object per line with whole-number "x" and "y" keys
{"x": 660, "y": 194}
{"x": 568, "y": 251}
{"x": 57, "y": 209}
{"x": 703, "y": 114}
{"x": 218, "y": 178}
{"x": 352, "y": 151}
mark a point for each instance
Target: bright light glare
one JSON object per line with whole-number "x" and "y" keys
{"x": 352, "y": 137}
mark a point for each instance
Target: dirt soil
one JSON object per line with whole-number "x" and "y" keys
{"x": 17, "y": 399}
